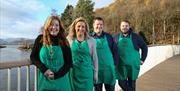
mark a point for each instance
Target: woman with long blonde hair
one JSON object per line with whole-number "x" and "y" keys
{"x": 85, "y": 62}
{"x": 52, "y": 55}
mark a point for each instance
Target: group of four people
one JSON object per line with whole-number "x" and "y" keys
{"x": 82, "y": 60}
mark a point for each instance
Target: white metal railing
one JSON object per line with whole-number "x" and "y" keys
{"x": 19, "y": 64}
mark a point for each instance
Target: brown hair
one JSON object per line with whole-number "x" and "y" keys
{"x": 46, "y": 35}
{"x": 125, "y": 21}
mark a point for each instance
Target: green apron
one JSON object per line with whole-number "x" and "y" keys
{"x": 129, "y": 64}
{"x": 54, "y": 61}
{"x": 105, "y": 62}
{"x": 82, "y": 72}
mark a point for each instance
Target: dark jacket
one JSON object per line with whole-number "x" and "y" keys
{"x": 111, "y": 44}
{"x": 66, "y": 54}
{"x": 138, "y": 43}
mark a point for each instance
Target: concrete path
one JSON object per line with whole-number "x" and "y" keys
{"x": 163, "y": 77}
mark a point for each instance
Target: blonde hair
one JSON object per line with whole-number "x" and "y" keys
{"x": 46, "y": 35}
{"x": 72, "y": 31}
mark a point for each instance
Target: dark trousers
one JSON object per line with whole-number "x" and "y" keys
{"x": 98, "y": 87}
{"x": 127, "y": 85}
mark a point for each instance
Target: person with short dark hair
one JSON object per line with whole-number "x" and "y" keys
{"x": 106, "y": 52}
{"x": 130, "y": 59}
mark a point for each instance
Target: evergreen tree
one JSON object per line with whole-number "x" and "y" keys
{"x": 67, "y": 16}
{"x": 84, "y": 8}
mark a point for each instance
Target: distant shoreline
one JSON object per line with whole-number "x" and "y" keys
{"x": 1, "y": 46}
{"x": 25, "y": 47}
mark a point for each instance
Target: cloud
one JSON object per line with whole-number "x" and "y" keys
{"x": 22, "y": 29}
{"x": 98, "y": 3}
{"x": 18, "y": 18}
{"x": 102, "y": 3}
{"x": 23, "y": 18}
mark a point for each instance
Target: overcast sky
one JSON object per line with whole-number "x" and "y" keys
{"x": 23, "y": 18}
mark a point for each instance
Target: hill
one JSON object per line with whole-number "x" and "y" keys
{"x": 158, "y": 20}
{"x": 3, "y": 42}
{"x": 19, "y": 41}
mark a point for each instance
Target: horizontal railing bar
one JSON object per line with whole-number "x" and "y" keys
{"x": 13, "y": 64}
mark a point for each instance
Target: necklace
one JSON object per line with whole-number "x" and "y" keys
{"x": 80, "y": 40}
{"x": 79, "y": 43}
{"x": 51, "y": 53}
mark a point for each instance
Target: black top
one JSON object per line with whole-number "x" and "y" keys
{"x": 66, "y": 54}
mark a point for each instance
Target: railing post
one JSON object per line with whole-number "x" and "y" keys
{"x": 27, "y": 78}
{"x": 35, "y": 78}
{"x": 18, "y": 64}
{"x": 19, "y": 79}
{"x": 9, "y": 80}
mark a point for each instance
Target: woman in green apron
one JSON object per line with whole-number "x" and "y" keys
{"x": 128, "y": 68}
{"x": 105, "y": 50}
{"x": 52, "y": 55}
{"x": 85, "y": 62}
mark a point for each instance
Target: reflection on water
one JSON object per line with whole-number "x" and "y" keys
{"x": 11, "y": 53}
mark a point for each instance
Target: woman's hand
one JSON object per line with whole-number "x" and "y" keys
{"x": 95, "y": 78}
{"x": 49, "y": 74}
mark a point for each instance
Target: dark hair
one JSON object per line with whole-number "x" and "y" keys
{"x": 126, "y": 21}
{"x": 98, "y": 18}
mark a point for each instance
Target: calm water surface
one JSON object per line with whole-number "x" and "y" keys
{"x": 11, "y": 53}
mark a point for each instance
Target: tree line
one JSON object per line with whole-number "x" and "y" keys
{"x": 157, "y": 21}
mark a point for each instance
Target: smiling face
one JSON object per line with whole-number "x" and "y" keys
{"x": 124, "y": 27}
{"x": 80, "y": 28}
{"x": 54, "y": 27}
{"x": 98, "y": 26}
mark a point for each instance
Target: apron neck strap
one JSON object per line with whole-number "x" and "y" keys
{"x": 129, "y": 35}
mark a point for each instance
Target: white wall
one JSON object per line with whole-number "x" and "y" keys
{"x": 156, "y": 55}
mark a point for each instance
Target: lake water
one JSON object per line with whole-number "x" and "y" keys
{"x": 11, "y": 53}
